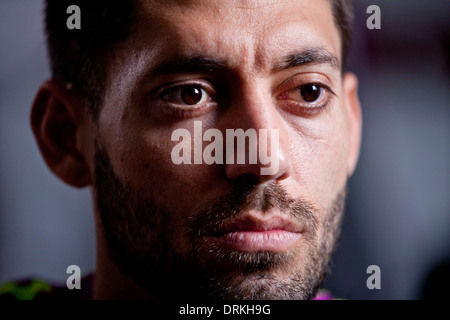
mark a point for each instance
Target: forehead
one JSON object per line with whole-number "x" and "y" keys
{"x": 239, "y": 32}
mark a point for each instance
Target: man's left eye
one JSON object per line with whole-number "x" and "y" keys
{"x": 188, "y": 95}
{"x": 309, "y": 95}
{"x": 311, "y": 92}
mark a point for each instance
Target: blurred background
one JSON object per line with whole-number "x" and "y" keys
{"x": 398, "y": 213}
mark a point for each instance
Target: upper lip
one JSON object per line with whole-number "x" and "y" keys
{"x": 257, "y": 224}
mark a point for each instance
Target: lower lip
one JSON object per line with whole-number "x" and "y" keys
{"x": 270, "y": 240}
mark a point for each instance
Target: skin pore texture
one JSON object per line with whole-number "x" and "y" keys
{"x": 220, "y": 231}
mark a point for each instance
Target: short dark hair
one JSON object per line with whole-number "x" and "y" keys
{"x": 343, "y": 18}
{"x": 78, "y": 56}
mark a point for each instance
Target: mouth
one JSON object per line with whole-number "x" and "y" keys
{"x": 250, "y": 233}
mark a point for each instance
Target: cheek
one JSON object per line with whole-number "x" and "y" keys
{"x": 146, "y": 163}
{"x": 319, "y": 156}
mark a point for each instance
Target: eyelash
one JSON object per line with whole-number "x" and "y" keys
{"x": 309, "y": 108}
{"x": 177, "y": 109}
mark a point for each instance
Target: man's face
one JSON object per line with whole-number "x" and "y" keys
{"x": 225, "y": 230}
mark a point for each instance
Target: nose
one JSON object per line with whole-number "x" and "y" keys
{"x": 257, "y": 143}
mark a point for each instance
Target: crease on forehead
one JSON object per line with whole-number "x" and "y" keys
{"x": 248, "y": 44}
{"x": 239, "y": 4}
{"x": 253, "y": 10}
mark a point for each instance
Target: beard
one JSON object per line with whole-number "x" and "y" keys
{"x": 140, "y": 235}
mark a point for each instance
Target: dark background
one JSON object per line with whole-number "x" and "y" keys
{"x": 398, "y": 214}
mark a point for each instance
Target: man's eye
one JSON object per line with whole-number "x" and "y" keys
{"x": 186, "y": 95}
{"x": 311, "y": 92}
{"x": 310, "y": 95}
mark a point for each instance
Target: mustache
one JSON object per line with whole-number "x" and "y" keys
{"x": 212, "y": 215}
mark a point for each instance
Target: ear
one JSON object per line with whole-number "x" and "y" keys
{"x": 355, "y": 119}
{"x": 55, "y": 121}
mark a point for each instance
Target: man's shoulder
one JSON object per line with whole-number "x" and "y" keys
{"x": 38, "y": 289}
{"x": 324, "y": 294}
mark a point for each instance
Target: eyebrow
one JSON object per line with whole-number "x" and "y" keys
{"x": 188, "y": 65}
{"x": 315, "y": 55}
{"x": 205, "y": 64}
